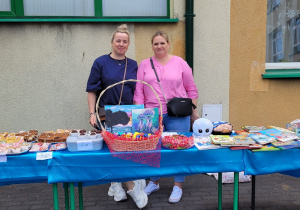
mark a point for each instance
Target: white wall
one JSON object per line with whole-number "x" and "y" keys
{"x": 44, "y": 69}
{"x": 211, "y": 52}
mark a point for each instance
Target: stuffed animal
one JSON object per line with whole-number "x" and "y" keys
{"x": 222, "y": 128}
{"x": 202, "y": 127}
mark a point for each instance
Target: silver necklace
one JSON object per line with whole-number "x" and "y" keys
{"x": 118, "y": 62}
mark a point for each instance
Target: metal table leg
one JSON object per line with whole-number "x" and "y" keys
{"x": 72, "y": 196}
{"x": 66, "y": 188}
{"x": 236, "y": 191}
{"x": 55, "y": 197}
{"x": 253, "y": 193}
{"x": 220, "y": 191}
{"x": 80, "y": 195}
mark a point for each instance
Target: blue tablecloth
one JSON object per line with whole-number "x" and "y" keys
{"x": 23, "y": 169}
{"x": 100, "y": 166}
{"x": 283, "y": 161}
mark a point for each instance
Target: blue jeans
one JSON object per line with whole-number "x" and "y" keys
{"x": 175, "y": 124}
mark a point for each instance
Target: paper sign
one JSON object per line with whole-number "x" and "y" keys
{"x": 3, "y": 158}
{"x": 84, "y": 145}
{"x": 43, "y": 155}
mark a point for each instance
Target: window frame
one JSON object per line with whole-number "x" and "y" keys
{"x": 17, "y": 15}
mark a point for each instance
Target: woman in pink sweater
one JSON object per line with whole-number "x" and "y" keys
{"x": 176, "y": 80}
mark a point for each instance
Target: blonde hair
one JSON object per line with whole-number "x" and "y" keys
{"x": 121, "y": 29}
{"x": 160, "y": 33}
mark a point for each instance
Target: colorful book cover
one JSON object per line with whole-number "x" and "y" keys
{"x": 252, "y": 146}
{"x": 243, "y": 140}
{"x": 205, "y": 143}
{"x": 279, "y": 135}
{"x": 253, "y": 128}
{"x": 221, "y": 139}
{"x": 261, "y": 138}
{"x": 145, "y": 120}
{"x": 281, "y": 129}
{"x": 118, "y": 118}
{"x": 295, "y": 144}
{"x": 266, "y": 148}
{"x": 281, "y": 143}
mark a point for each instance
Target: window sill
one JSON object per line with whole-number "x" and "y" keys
{"x": 86, "y": 20}
{"x": 282, "y": 70}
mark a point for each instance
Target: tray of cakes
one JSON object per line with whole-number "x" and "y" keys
{"x": 11, "y": 144}
{"x": 60, "y": 135}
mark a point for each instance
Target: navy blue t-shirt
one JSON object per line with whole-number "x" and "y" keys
{"x": 107, "y": 71}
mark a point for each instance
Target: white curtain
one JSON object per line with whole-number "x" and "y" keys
{"x": 283, "y": 31}
{"x": 134, "y": 8}
{"x": 59, "y": 8}
{"x": 5, "y": 5}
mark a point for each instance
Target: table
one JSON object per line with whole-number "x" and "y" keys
{"x": 100, "y": 167}
{"x": 23, "y": 169}
{"x": 283, "y": 161}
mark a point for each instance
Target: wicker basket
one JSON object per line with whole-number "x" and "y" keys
{"x": 118, "y": 143}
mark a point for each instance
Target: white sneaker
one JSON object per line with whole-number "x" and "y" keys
{"x": 151, "y": 187}
{"x": 117, "y": 191}
{"x": 138, "y": 195}
{"x": 176, "y": 195}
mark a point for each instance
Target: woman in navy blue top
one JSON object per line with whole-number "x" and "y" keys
{"x": 110, "y": 69}
{"x": 107, "y": 70}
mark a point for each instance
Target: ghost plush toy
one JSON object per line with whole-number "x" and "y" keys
{"x": 202, "y": 127}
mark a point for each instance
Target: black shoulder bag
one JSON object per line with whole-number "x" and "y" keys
{"x": 177, "y": 107}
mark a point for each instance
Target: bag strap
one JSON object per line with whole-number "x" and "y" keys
{"x": 123, "y": 83}
{"x": 194, "y": 106}
{"x": 157, "y": 79}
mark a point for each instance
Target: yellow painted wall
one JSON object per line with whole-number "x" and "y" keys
{"x": 253, "y": 100}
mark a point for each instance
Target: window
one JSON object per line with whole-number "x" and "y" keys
{"x": 277, "y": 53}
{"x": 86, "y": 9}
{"x": 283, "y": 39}
{"x": 283, "y": 31}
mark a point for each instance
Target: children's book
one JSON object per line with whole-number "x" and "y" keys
{"x": 261, "y": 138}
{"x": 222, "y": 139}
{"x": 253, "y": 128}
{"x": 281, "y": 143}
{"x": 294, "y": 144}
{"x": 243, "y": 140}
{"x": 252, "y": 146}
{"x": 265, "y": 148}
{"x": 205, "y": 143}
{"x": 118, "y": 118}
{"x": 281, "y": 129}
{"x": 279, "y": 135}
{"x": 145, "y": 120}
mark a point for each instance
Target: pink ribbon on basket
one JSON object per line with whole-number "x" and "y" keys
{"x": 151, "y": 157}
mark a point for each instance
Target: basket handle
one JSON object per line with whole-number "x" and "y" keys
{"x": 121, "y": 82}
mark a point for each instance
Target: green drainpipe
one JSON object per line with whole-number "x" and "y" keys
{"x": 189, "y": 32}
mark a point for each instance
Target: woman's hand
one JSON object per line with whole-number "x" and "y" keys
{"x": 93, "y": 121}
{"x": 194, "y": 116}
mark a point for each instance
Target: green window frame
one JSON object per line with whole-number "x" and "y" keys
{"x": 17, "y": 15}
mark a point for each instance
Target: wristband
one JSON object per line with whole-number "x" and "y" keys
{"x": 91, "y": 114}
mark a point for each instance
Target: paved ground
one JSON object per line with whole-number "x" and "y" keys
{"x": 274, "y": 191}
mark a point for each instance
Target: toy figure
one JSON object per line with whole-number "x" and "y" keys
{"x": 222, "y": 128}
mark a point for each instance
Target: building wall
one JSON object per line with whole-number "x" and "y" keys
{"x": 45, "y": 66}
{"x": 44, "y": 70}
{"x": 253, "y": 100}
{"x": 211, "y": 53}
